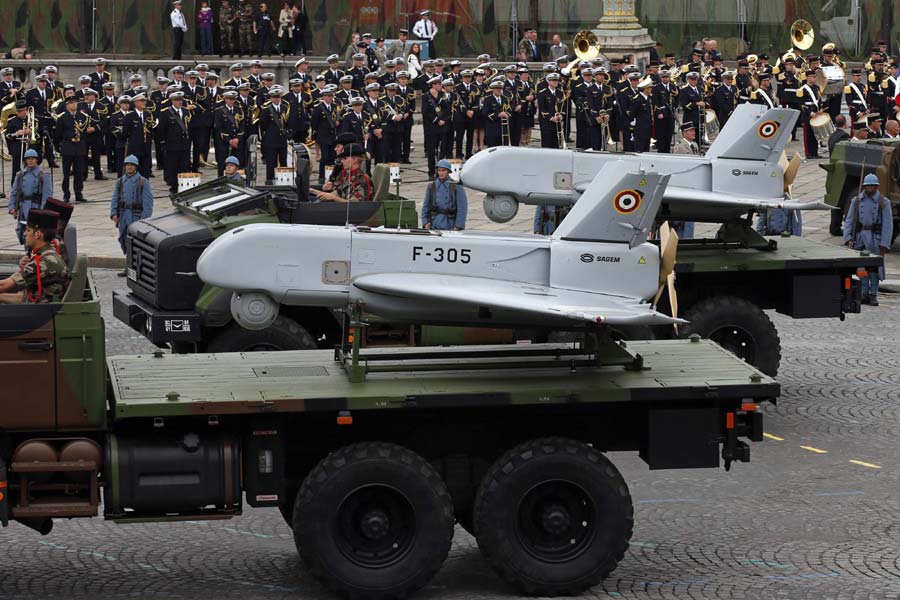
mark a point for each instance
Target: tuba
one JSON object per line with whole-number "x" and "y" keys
{"x": 8, "y": 111}
{"x": 586, "y": 45}
{"x": 802, "y": 34}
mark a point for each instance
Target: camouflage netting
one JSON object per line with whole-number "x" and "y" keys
{"x": 467, "y": 26}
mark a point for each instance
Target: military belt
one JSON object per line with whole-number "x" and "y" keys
{"x": 444, "y": 211}
{"x": 875, "y": 228}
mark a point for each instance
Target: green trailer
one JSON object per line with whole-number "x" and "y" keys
{"x": 372, "y": 455}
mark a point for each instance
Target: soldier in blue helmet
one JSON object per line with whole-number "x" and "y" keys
{"x": 869, "y": 226}
{"x": 232, "y": 166}
{"x": 445, "y": 204}
{"x": 30, "y": 189}
{"x": 132, "y": 199}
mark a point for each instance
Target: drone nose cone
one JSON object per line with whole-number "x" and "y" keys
{"x": 227, "y": 261}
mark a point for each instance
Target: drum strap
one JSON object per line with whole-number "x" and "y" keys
{"x": 766, "y": 96}
{"x": 811, "y": 93}
{"x": 860, "y": 95}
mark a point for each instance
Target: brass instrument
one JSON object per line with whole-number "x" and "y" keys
{"x": 31, "y": 124}
{"x": 802, "y": 34}
{"x": 586, "y": 45}
{"x": 505, "y": 135}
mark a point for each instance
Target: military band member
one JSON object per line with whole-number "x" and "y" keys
{"x": 811, "y": 105}
{"x": 138, "y": 131}
{"x": 874, "y": 122}
{"x": 877, "y": 88}
{"x": 173, "y": 130}
{"x": 54, "y": 84}
{"x": 17, "y": 134}
{"x": 117, "y": 130}
{"x": 332, "y": 73}
{"x": 601, "y": 99}
{"x": 829, "y": 59}
{"x": 110, "y": 104}
{"x": 725, "y": 99}
{"x": 623, "y": 101}
{"x": 94, "y": 134}
{"x": 228, "y": 130}
{"x": 324, "y": 122}
{"x": 30, "y": 189}
{"x": 301, "y": 70}
{"x": 132, "y": 199}
{"x": 352, "y": 185}
{"x": 237, "y": 76}
{"x": 581, "y": 94}
{"x": 550, "y": 112}
{"x": 743, "y": 82}
{"x": 70, "y": 131}
{"x": 389, "y": 75}
{"x": 640, "y": 112}
{"x": 45, "y": 277}
{"x": 435, "y": 120}
{"x": 495, "y": 112}
{"x": 377, "y": 114}
{"x": 9, "y": 87}
{"x": 764, "y": 96}
{"x": 691, "y": 100}
{"x": 408, "y": 94}
{"x": 274, "y": 131}
{"x": 395, "y": 107}
{"x": 664, "y": 101}
{"x": 299, "y": 123}
{"x": 346, "y": 92}
{"x": 85, "y": 84}
{"x": 100, "y": 74}
{"x": 788, "y": 84}
{"x": 357, "y": 73}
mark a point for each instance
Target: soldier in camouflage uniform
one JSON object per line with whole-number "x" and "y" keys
{"x": 227, "y": 29}
{"x": 45, "y": 277}
{"x": 245, "y": 27}
{"x": 352, "y": 185}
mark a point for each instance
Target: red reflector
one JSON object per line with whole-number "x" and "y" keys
{"x": 846, "y": 283}
{"x": 344, "y": 418}
{"x": 2, "y": 484}
{"x": 729, "y": 420}
{"x": 749, "y": 407}
{"x": 862, "y": 273}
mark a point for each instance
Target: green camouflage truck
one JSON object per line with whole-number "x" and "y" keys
{"x": 371, "y": 475}
{"x": 849, "y": 163}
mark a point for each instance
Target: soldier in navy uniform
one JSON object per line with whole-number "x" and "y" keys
{"x": 358, "y": 72}
{"x": 117, "y": 130}
{"x": 9, "y": 87}
{"x": 100, "y": 74}
{"x": 435, "y": 120}
{"x": 691, "y": 100}
{"x": 406, "y": 92}
{"x": 332, "y": 73}
{"x": 299, "y": 123}
{"x": 664, "y": 99}
{"x": 95, "y": 132}
{"x": 324, "y": 123}
{"x": 395, "y": 108}
{"x": 511, "y": 90}
{"x": 273, "y": 127}
{"x": 138, "y": 130}
{"x": 464, "y": 118}
{"x": 581, "y": 94}
{"x": 70, "y": 128}
{"x": 623, "y": 101}
{"x": 354, "y": 121}
{"x": 109, "y": 102}
{"x": 640, "y": 112}
{"x": 40, "y": 98}
{"x": 228, "y": 130}
{"x": 17, "y": 134}
{"x": 174, "y": 122}
{"x": 725, "y": 98}
{"x": 550, "y": 112}
{"x": 389, "y": 75}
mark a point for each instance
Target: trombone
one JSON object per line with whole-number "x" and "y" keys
{"x": 505, "y": 135}
{"x": 560, "y": 133}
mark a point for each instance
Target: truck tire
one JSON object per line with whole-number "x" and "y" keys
{"x": 373, "y": 520}
{"x": 283, "y": 334}
{"x": 553, "y": 517}
{"x": 740, "y": 327}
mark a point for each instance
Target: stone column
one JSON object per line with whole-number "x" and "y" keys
{"x": 621, "y": 34}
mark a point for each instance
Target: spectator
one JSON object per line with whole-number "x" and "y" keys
{"x": 179, "y": 28}
{"x": 398, "y": 46}
{"x": 263, "y": 27}
{"x": 425, "y": 29}
{"x": 286, "y": 28}
{"x": 891, "y": 128}
{"x": 860, "y": 132}
{"x": 840, "y": 133}
{"x": 528, "y": 49}
{"x": 558, "y": 49}
{"x": 351, "y": 50}
{"x": 380, "y": 51}
{"x": 21, "y": 51}
{"x": 654, "y": 52}
{"x": 412, "y": 62}
{"x": 301, "y": 22}
{"x": 204, "y": 24}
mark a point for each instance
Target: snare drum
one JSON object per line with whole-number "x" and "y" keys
{"x": 833, "y": 77}
{"x": 710, "y": 125}
{"x": 822, "y": 127}
{"x": 284, "y": 176}
{"x": 187, "y": 181}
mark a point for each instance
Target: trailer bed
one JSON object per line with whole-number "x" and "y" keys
{"x": 310, "y": 380}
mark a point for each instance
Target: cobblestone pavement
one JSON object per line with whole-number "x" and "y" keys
{"x": 814, "y": 515}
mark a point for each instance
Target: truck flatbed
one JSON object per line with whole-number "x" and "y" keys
{"x": 305, "y": 381}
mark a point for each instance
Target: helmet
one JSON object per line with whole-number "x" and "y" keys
{"x": 232, "y": 160}
{"x": 870, "y": 179}
{"x": 131, "y": 159}
{"x": 443, "y": 164}
{"x": 31, "y": 153}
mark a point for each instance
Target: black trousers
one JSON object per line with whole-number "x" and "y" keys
{"x": 179, "y": 42}
{"x": 515, "y": 129}
{"x": 582, "y": 133}
{"x": 160, "y": 153}
{"x": 595, "y": 137}
{"x": 15, "y": 150}
{"x": 176, "y": 162}
{"x": 120, "y": 158}
{"x": 199, "y": 145}
{"x": 492, "y": 140}
{"x": 95, "y": 149}
{"x": 223, "y": 151}
{"x": 664, "y": 135}
{"x": 110, "y": 143}
{"x": 275, "y": 157}
{"x": 264, "y": 42}
{"x": 447, "y": 142}
{"x": 375, "y": 148}
{"x": 432, "y": 149}
{"x": 145, "y": 163}
{"x": 327, "y": 152}
{"x": 406, "y": 143}
{"x": 550, "y": 135}
{"x": 393, "y": 145}
{"x": 464, "y": 128}
{"x": 73, "y": 166}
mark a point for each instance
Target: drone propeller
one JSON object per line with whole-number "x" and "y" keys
{"x": 790, "y": 169}
{"x": 668, "y": 245}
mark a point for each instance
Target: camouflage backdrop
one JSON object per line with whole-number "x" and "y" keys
{"x": 467, "y": 26}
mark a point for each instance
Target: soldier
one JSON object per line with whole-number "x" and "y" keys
{"x": 352, "y": 185}
{"x": 110, "y": 104}
{"x": 332, "y": 73}
{"x": 159, "y": 99}
{"x": 70, "y": 129}
{"x": 450, "y": 101}
{"x": 811, "y": 106}
{"x": 255, "y": 76}
{"x": 64, "y": 210}
{"x": 376, "y": 116}
{"x": 232, "y": 170}
{"x": 138, "y": 131}
{"x": 725, "y": 99}
{"x": 602, "y": 107}
{"x": 395, "y": 109}
{"x": 788, "y": 84}
{"x": 550, "y": 112}
{"x": 245, "y": 27}
{"x": 877, "y": 87}
{"x": 39, "y": 98}
{"x": 237, "y": 75}
{"x": 743, "y": 82}
{"x": 45, "y": 277}
{"x": 346, "y": 93}
{"x": 389, "y": 75}
{"x": 273, "y": 127}
{"x": 299, "y": 118}
{"x": 117, "y": 130}
{"x": 85, "y": 82}
{"x": 874, "y": 122}
{"x": 546, "y": 218}
{"x": 357, "y": 73}
{"x": 324, "y": 123}
{"x": 516, "y": 104}
{"x": 53, "y": 82}
{"x": 445, "y": 205}
{"x": 468, "y": 96}
{"x": 9, "y": 87}
{"x": 623, "y": 102}
{"x": 764, "y": 95}
{"x": 267, "y": 81}
{"x": 407, "y": 93}
{"x": 435, "y": 119}
{"x": 263, "y": 28}
{"x": 869, "y": 226}
{"x": 17, "y": 134}
{"x": 495, "y": 112}
{"x": 174, "y": 123}
{"x": 691, "y": 100}
{"x": 30, "y": 189}
{"x": 96, "y": 115}
{"x": 777, "y": 221}
{"x": 640, "y": 112}
{"x": 688, "y": 142}
{"x": 227, "y": 29}
{"x": 398, "y": 46}
{"x": 664, "y": 100}
{"x": 100, "y": 74}
{"x": 132, "y": 200}
{"x": 197, "y": 101}
{"x": 228, "y": 130}
{"x": 354, "y": 121}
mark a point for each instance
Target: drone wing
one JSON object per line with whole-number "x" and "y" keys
{"x": 533, "y": 300}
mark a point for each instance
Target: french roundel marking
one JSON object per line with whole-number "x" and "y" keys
{"x": 767, "y": 129}
{"x": 627, "y": 201}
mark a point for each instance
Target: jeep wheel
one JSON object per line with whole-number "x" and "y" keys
{"x": 740, "y": 327}
{"x": 283, "y": 334}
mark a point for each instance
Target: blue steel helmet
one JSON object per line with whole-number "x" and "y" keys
{"x": 232, "y": 160}
{"x": 131, "y": 159}
{"x": 444, "y": 164}
{"x": 31, "y": 153}
{"x": 870, "y": 179}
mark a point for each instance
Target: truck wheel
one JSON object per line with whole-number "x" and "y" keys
{"x": 373, "y": 520}
{"x": 283, "y": 334}
{"x": 740, "y": 327}
{"x": 553, "y": 517}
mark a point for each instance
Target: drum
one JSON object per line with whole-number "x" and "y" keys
{"x": 822, "y": 127}
{"x": 187, "y": 181}
{"x": 833, "y": 80}
{"x": 710, "y": 126}
{"x": 284, "y": 176}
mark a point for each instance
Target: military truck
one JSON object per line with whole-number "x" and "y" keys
{"x": 849, "y": 163}
{"x": 371, "y": 454}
